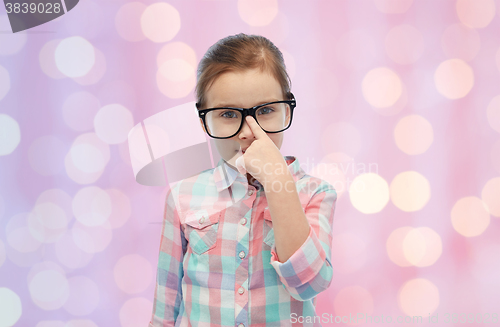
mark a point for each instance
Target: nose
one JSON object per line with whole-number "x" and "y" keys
{"x": 246, "y": 131}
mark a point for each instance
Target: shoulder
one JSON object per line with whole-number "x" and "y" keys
{"x": 193, "y": 190}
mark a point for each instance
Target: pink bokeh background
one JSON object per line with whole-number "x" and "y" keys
{"x": 398, "y": 106}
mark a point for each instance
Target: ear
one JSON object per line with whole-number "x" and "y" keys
{"x": 287, "y": 115}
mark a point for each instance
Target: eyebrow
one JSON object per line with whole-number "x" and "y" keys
{"x": 219, "y": 105}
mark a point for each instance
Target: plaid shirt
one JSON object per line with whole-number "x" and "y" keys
{"x": 218, "y": 264}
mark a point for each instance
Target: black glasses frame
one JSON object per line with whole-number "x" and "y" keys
{"x": 248, "y": 112}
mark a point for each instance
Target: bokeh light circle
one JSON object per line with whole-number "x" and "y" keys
{"x": 258, "y": 12}
{"x": 97, "y": 71}
{"x": 18, "y": 234}
{"x": 47, "y": 222}
{"x": 79, "y": 110}
{"x": 493, "y": 113}
{"x": 128, "y": 21}
{"x": 404, "y": 44}
{"x": 10, "y": 43}
{"x": 475, "y": 13}
{"x": 46, "y": 155}
{"x": 176, "y": 70}
{"x": 74, "y": 56}
{"x": 135, "y": 312}
{"x": 410, "y": 191}
{"x": 454, "y": 78}
{"x": 10, "y": 133}
{"x": 176, "y": 75}
{"x": 47, "y": 59}
{"x": 418, "y": 297}
{"x": 83, "y": 296}
{"x": 92, "y": 206}
{"x": 394, "y": 246}
{"x": 381, "y": 87}
{"x": 92, "y": 239}
{"x": 413, "y": 134}
{"x": 491, "y": 196}
{"x": 10, "y": 307}
{"x": 87, "y": 158}
{"x": 160, "y": 22}
{"x": 133, "y": 273}
{"x": 176, "y": 51}
{"x": 49, "y": 289}
{"x": 112, "y": 123}
{"x": 470, "y": 216}
{"x": 461, "y": 42}
{"x": 422, "y": 246}
{"x": 352, "y": 299}
{"x": 369, "y": 193}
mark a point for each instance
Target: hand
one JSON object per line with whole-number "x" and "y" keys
{"x": 262, "y": 159}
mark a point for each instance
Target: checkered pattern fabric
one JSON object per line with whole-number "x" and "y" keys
{"x": 218, "y": 264}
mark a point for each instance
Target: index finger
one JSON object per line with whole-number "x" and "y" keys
{"x": 256, "y": 129}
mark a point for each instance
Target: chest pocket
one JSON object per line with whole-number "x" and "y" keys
{"x": 267, "y": 230}
{"x": 201, "y": 230}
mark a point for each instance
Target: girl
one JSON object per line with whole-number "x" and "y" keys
{"x": 245, "y": 250}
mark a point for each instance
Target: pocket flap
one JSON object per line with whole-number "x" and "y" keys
{"x": 200, "y": 219}
{"x": 267, "y": 214}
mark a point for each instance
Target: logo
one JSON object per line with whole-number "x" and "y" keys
{"x": 25, "y": 14}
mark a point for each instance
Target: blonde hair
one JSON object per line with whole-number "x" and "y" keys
{"x": 237, "y": 53}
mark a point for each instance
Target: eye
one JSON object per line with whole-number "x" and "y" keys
{"x": 229, "y": 114}
{"x": 265, "y": 110}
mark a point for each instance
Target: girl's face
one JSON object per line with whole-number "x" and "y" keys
{"x": 242, "y": 89}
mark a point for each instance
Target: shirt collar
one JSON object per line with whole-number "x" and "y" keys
{"x": 224, "y": 175}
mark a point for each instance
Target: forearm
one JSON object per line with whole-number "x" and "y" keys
{"x": 290, "y": 224}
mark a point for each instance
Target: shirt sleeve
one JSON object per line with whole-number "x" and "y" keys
{"x": 309, "y": 271}
{"x": 168, "y": 290}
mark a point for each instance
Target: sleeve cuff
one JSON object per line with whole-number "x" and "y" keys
{"x": 304, "y": 264}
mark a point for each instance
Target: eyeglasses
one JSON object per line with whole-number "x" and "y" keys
{"x": 226, "y": 122}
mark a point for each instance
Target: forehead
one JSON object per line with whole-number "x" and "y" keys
{"x": 243, "y": 89}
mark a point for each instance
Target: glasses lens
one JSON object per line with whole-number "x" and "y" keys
{"x": 273, "y": 117}
{"x": 225, "y": 122}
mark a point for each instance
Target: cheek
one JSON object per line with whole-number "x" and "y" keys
{"x": 226, "y": 147}
{"x": 277, "y": 139}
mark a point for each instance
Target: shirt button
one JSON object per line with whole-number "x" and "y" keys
{"x": 250, "y": 192}
{"x": 202, "y": 220}
{"x": 242, "y": 254}
{"x": 243, "y": 221}
{"x": 241, "y": 290}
